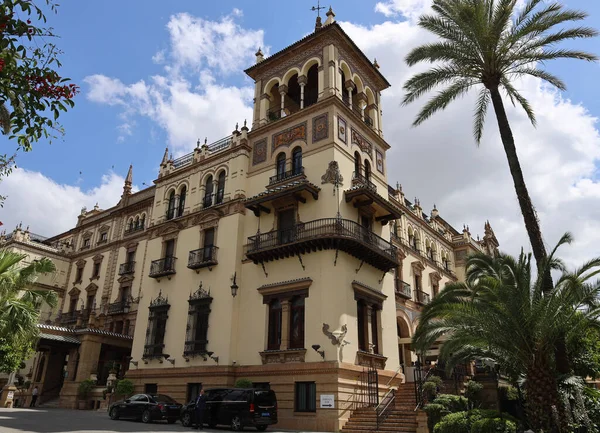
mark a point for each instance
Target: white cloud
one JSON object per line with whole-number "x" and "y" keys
{"x": 188, "y": 101}
{"x": 406, "y": 8}
{"x": 48, "y": 207}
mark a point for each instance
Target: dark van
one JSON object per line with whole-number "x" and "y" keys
{"x": 235, "y": 407}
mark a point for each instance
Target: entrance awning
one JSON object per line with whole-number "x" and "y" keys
{"x": 49, "y": 338}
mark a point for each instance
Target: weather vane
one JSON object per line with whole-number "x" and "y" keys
{"x": 318, "y": 8}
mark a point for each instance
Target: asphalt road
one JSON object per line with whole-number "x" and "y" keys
{"x": 63, "y": 421}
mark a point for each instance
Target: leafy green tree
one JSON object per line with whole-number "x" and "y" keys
{"x": 487, "y": 45}
{"x": 500, "y": 313}
{"x": 20, "y": 305}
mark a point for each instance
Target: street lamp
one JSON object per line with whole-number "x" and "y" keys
{"x": 234, "y": 286}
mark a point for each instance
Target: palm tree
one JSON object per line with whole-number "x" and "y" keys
{"x": 500, "y": 314}
{"x": 487, "y": 44}
{"x": 20, "y": 302}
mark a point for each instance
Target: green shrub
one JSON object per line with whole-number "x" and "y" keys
{"x": 85, "y": 387}
{"x": 508, "y": 393}
{"x": 430, "y": 389}
{"x": 493, "y": 425}
{"x": 243, "y": 383}
{"x": 437, "y": 380}
{"x": 453, "y": 423}
{"x": 453, "y": 403}
{"x": 435, "y": 412}
{"x": 124, "y": 388}
{"x": 473, "y": 393}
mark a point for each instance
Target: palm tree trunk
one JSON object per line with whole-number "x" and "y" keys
{"x": 542, "y": 395}
{"x": 531, "y": 222}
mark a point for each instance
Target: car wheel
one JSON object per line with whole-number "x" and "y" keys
{"x": 186, "y": 420}
{"x": 114, "y": 413}
{"x": 171, "y": 420}
{"x": 236, "y": 423}
{"x": 146, "y": 417}
{"x": 261, "y": 427}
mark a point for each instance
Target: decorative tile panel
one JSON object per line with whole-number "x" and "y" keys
{"x": 320, "y": 126}
{"x": 379, "y": 161}
{"x": 342, "y": 131}
{"x": 361, "y": 142}
{"x": 259, "y": 152}
{"x": 288, "y": 136}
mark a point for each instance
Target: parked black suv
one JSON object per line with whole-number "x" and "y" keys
{"x": 235, "y": 407}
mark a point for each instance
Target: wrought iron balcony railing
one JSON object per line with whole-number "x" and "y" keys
{"x": 290, "y": 174}
{"x": 203, "y": 257}
{"x": 118, "y": 307}
{"x": 360, "y": 179}
{"x": 195, "y": 347}
{"x": 161, "y": 267}
{"x": 127, "y": 268}
{"x": 326, "y": 233}
{"x": 69, "y": 317}
{"x": 422, "y": 297}
{"x": 154, "y": 351}
{"x": 403, "y": 289}
{"x": 133, "y": 229}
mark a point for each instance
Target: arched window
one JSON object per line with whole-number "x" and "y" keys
{"x": 130, "y": 225}
{"x": 137, "y": 222}
{"x": 356, "y": 164}
{"x": 143, "y": 221}
{"x": 297, "y": 161}
{"x": 181, "y": 206}
{"x": 221, "y": 187}
{"x": 280, "y": 166}
{"x": 311, "y": 90}
{"x": 171, "y": 207}
{"x": 367, "y": 170}
{"x": 208, "y": 192}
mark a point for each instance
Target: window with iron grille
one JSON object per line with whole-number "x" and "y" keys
{"x": 196, "y": 339}
{"x": 305, "y": 397}
{"x": 157, "y": 323}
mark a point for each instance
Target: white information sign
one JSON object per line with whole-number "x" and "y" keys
{"x": 327, "y": 401}
{"x": 11, "y": 395}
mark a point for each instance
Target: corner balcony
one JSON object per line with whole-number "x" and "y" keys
{"x": 203, "y": 257}
{"x": 162, "y": 267}
{"x": 326, "y": 233}
{"x": 364, "y": 193}
{"x": 127, "y": 268}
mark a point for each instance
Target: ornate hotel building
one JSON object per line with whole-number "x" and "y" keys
{"x": 279, "y": 254}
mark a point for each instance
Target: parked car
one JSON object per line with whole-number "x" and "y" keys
{"x": 146, "y": 407}
{"x": 235, "y": 407}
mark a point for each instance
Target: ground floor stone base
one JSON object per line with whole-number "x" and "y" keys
{"x": 331, "y": 378}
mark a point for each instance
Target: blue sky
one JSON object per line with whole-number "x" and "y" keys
{"x": 154, "y": 74}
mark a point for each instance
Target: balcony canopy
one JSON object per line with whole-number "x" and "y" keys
{"x": 365, "y": 194}
{"x": 300, "y": 190}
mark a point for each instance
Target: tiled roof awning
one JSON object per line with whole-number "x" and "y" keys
{"x": 59, "y": 338}
{"x": 299, "y": 190}
{"x": 363, "y": 195}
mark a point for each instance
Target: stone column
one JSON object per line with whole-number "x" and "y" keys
{"x": 264, "y": 99}
{"x": 349, "y": 86}
{"x": 302, "y": 80}
{"x": 285, "y": 324}
{"x": 283, "y": 91}
{"x": 372, "y": 111}
{"x": 89, "y": 353}
{"x": 362, "y": 102}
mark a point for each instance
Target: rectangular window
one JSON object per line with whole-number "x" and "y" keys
{"x": 417, "y": 282}
{"x": 79, "y": 275}
{"x": 151, "y": 388}
{"x": 96, "y": 271}
{"x": 209, "y": 242}
{"x": 170, "y": 248}
{"x": 305, "y": 397}
{"x": 73, "y": 304}
{"x": 130, "y": 256}
{"x": 125, "y": 293}
{"x": 104, "y": 236}
{"x": 155, "y": 334}
{"x": 86, "y": 242}
{"x": 362, "y": 326}
{"x": 119, "y": 327}
{"x": 297, "y": 323}
{"x": 374, "y": 331}
{"x": 198, "y": 314}
{"x": 286, "y": 225}
{"x": 90, "y": 302}
{"x": 275, "y": 316}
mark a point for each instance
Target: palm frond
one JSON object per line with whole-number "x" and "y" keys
{"x": 514, "y": 95}
{"x": 443, "y": 98}
{"x": 481, "y": 107}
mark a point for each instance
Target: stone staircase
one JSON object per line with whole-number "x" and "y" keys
{"x": 402, "y": 418}
{"x": 52, "y": 403}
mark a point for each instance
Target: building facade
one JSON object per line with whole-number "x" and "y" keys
{"x": 279, "y": 254}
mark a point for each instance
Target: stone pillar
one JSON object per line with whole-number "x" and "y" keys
{"x": 283, "y": 91}
{"x": 302, "y": 80}
{"x": 362, "y": 102}
{"x": 89, "y": 353}
{"x": 71, "y": 365}
{"x": 372, "y": 110}
{"x": 321, "y": 81}
{"x": 264, "y": 100}
{"x": 285, "y": 324}
{"x": 349, "y": 86}
{"x": 256, "y": 108}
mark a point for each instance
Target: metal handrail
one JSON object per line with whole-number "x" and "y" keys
{"x": 221, "y": 144}
{"x": 403, "y": 288}
{"x": 423, "y": 297}
{"x": 184, "y": 160}
{"x": 202, "y": 255}
{"x": 286, "y": 175}
{"x": 127, "y": 268}
{"x": 382, "y": 409}
{"x": 325, "y": 227}
{"x": 395, "y": 374}
{"x": 164, "y": 265}
{"x": 358, "y": 177}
